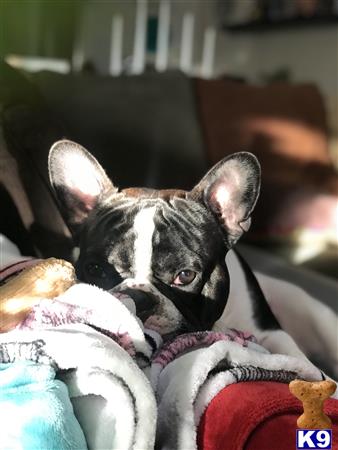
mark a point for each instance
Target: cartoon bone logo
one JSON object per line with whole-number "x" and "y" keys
{"x": 313, "y": 395}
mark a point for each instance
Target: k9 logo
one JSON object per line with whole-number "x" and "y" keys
{"x": 314, "y": 439}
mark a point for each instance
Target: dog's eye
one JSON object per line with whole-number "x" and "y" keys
{"x": 95, "y": 270}
{"x": 184, "y": 277}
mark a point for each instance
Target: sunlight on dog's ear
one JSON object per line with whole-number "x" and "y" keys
{"x": 230, "y": 190}
{"x": 78, "y": 180}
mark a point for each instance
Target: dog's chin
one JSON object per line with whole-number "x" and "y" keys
{"x": 168, "y": 329}
{"x": 165, "y": 326}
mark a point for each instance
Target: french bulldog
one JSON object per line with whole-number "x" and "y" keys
{"x": 172, "y": 251}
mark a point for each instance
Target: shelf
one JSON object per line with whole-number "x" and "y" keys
{"x": 297, "y": 22}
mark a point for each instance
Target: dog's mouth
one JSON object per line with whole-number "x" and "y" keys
{"x": 156, "y": 312}
{"x": 145, "y": 302}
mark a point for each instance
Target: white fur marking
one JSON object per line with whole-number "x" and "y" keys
{"x": 143, "y": 248}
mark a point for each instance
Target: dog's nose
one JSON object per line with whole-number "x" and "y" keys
{"x": 145, "y": 302}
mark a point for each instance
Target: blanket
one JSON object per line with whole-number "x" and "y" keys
{"x": 35, "y": 410}
{"x": 128, "y": 389}
{"x": 113, "y": 400}
{"x": 97, "y": 352}
{"x": 203, "y": 370}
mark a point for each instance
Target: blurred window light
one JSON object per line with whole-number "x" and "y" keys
{"x": 313, "y": 243}
{"x": 208, "y": 53}
{"x": 140, "y": 35}
{"x": 116, "y": 45}
{"x": 187, "y": 42}
{"x": 163, "y": 32}
{"x": 35, "y": 63}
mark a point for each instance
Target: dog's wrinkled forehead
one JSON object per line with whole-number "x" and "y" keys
{"x": 137, "y": 231}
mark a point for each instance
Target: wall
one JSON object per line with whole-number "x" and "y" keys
{"x": 95, "y": 30}
{"x": 310, "y": 54}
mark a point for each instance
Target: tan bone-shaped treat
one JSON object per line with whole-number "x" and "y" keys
{"x": 313, "y": 395}
{"x": 47, "y": 279}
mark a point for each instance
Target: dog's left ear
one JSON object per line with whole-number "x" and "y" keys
{"x": 230, "y": 190}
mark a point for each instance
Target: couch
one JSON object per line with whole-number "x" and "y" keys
{"x": 136, "y": 138}
{"x": 165, "y": 130}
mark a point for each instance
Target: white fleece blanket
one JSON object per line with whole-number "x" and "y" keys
{"x": 103, "y": 356}
{"x": 187, "y": 382}
{"x": 95, "y": 353}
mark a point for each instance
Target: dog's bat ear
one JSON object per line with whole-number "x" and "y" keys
{"x": 78, "y": 180}
{"x": 230, "y": 190}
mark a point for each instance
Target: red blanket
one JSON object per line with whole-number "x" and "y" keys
{"x": 256, "y": 415}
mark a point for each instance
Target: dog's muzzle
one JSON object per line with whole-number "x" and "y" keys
{"x": 155, "y": 310}
{"x": 145, "y": 302}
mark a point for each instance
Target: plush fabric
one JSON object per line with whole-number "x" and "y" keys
{"x": 186, "y": 385}
{"x": 98, "y": 348}
{"x": 112, "y": 398}
{"x": 122, "y": 367}
{"x": 256, "y": 416}
{"x": 90, "y": 305}
{"x": 35, "y": 410}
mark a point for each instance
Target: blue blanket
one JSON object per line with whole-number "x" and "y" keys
{"x": 35, "y": 410}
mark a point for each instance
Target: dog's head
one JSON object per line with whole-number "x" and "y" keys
{"x": 166, "y": 248}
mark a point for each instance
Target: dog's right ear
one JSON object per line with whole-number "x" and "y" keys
{"x": 78, "y": 180}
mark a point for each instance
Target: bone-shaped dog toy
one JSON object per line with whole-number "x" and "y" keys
{"x": 47, "y": 279}
{"x": 313, "y": 395}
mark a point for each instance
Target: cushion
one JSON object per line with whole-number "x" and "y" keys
{"x": 256, "y": 415}
{"x": 143, "y": 129}
{"x": 285, "y": 126}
